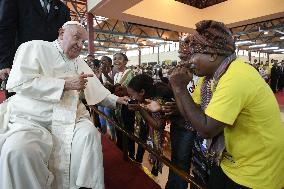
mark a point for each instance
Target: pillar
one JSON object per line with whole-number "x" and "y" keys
{"x": 90, "y": 27}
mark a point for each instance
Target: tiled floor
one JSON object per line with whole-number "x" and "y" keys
{"x": 162, "y": 178}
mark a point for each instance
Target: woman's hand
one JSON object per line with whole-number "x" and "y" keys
{"x": 151, "y": 105}
{"x": 170, "y": 108}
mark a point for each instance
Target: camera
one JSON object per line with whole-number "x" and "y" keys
{"x": 133, "y": 101}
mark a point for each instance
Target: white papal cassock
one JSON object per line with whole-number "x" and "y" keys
{"x": 50, "y": 141}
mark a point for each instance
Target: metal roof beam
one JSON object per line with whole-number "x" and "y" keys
{"x": 252, "y": 31}
{"x": 120, "y": 42}
{"x": 130, "y": 35}
{"x": 258, "y": 27}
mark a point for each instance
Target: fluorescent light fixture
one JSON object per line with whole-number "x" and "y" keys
{"x": 131, "y": 36}
{"x": 265, "y": 33}
{"x": 270, "y": 48}
{"x": 257, "y": 46}
{"x": 282, "y": 37}
{"x": 278, "y": 50}
{"x": 156, "y": 40}
{"x": 131, "y": 45}
{"x": 99, "y": 20}
{"x": 243, "y": 42}
{"x": 114, "y": 49}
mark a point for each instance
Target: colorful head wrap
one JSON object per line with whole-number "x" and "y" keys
{"x": 211, "y": 38}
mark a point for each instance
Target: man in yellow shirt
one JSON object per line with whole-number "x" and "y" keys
{"x": 242, "y": 110}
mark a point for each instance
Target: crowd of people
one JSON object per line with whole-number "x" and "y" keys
{"x": 202, "y": 139}
{"x": 225, "y": 121}
{"x": 142, "y": 84}
{"x": 216, "y": 114}
{"x": 272, "y": 73}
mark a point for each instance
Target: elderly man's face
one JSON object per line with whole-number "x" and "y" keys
{"x": 72, "y": 39}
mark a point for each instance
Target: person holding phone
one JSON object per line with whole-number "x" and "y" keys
{"x": 142, "y": 88}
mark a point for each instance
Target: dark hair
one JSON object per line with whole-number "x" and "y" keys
{"x": 151, "y": 89}
{"x": 96, "y": 63}
{"x": 142, "y": 81}
{"x": 122, "y": 54}
{"x": 108, "y": 58}
{"x": 90, "y": 55}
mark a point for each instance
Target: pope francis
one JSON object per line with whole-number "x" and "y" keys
{"x": 49, "y": 140}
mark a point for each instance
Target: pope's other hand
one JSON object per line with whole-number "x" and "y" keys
{"x": 77, "y": 82}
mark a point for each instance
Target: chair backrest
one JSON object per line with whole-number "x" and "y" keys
{"x": 2, "y": 96}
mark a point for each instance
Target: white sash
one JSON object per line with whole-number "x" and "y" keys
{"x": 63, "y": 124}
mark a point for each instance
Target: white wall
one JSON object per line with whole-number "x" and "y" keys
{"x": 278, "y": 57}
{"x": 246, "y": 58}
{"x": 172, "y": 55}
{"x": 92, "y": 3}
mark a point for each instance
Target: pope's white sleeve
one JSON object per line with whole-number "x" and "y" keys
{"x": 109, "y": 101}
{"x": 42, "y": 88}
{"x": 27, "y": 78}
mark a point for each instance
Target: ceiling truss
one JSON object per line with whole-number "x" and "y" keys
{"x": 78, "y": 9}
{"x": 267, "y": 32}
{"x": 110, "y": 33}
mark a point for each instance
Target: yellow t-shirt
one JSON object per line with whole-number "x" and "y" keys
{"x": 255, "y": 138}
{"x": 196, "y": 96}
{"x": 269, "y": 69}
